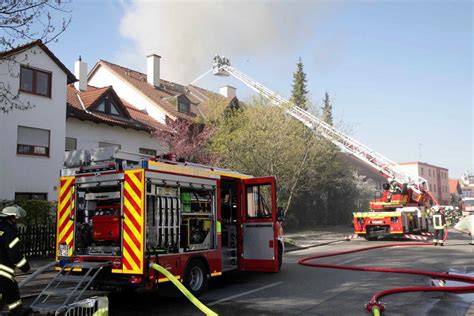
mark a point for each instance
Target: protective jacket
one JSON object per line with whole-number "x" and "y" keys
{"x": 11, "y": 256}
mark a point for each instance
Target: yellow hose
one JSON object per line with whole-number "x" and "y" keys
{"x": 184, "y": 290}
{"x": 376, "y": 311}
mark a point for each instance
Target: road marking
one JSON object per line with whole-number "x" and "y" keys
{"x": 244, "y": 293}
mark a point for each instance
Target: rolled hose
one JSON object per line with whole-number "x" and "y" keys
{"x": 374, "y": 304}
{"x": 183, "y": 290}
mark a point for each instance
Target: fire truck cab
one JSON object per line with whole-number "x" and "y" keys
{"x": 196, "y": 221}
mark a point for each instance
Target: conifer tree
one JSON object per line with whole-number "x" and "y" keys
{"x": 299, "y": 92}
{"x": 327, "y": 109}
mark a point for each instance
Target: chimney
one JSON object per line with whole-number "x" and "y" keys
{"x": 80, "y": 71}
{"x": 153, "y": 69}
{"x": 228, "y": 91}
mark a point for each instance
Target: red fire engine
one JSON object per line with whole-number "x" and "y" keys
{"x": 196, "y": 221}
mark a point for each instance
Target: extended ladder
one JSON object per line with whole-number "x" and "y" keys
{"x": 67, "y": 287}
{"x": 387, "y": 167}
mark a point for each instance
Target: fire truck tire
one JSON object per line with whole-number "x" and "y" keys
{"x": 196, "y": 278}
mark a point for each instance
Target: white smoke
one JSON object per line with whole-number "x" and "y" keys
{"x": 187, "y": 34}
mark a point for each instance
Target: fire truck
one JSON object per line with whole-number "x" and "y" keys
{"x": 120, "y": 212}
{"x": 401, "y": 209}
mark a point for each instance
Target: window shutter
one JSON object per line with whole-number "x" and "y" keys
{"x": 71, "y": 144}
{"x": 33, "y": 136}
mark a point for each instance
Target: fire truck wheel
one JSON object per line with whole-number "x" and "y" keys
{"x": 196, "y": 277}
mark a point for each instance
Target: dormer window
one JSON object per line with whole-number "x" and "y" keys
{"x": 108, "y": 106}
{"x": 184, "y": 105}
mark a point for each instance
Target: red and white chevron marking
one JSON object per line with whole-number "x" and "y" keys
{"x": 415, "y": 237}
{"x": 353, "y": 236}
{"x": 427, "y": 234}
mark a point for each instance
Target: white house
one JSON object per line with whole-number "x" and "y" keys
{"x": 32, "y": 141}
{"x": 97, "y": 117}
{"x": 162, "y": 99}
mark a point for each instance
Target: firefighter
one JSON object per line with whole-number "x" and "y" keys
{"x": 439, "y": 224}
{"x": 11, "y": 258}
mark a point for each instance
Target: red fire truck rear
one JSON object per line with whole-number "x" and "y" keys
{"x": 196, "y": 221}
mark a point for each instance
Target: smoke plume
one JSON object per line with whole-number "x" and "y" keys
{"x": 187, "y": 34}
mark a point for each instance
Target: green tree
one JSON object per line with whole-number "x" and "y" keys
{"x": 262, "y": 140}
{"x": 299, "y": 93}
{"x": 327, "y": 109}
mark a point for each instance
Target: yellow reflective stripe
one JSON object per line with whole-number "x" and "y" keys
{"x": 21, "y": 263}
{"x": 14, "y": 242}
{"x": 14, "y": 305}
{"x": 7, "y": 269}
{"x": 219, "y": 227}
{"x": 8, "y": 276}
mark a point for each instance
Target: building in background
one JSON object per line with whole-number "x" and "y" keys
{"x": 467, "y": 185}
{"x": 98, "y": 117}
{"x": 161, "y": 99}
{"x": 437, "y": 177}
{"x": 32, "y": 140}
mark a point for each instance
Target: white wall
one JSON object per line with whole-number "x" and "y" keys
{"x": 104, "y": 77}
{"x": 30, "y": 173}
{"x": 89, "y": 134}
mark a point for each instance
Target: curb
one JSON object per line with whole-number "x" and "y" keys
{"x": 312, "y": 246}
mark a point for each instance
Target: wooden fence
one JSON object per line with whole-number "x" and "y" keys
{"x": 38, "y": 240}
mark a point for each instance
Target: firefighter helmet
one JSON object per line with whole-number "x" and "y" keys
{"x": 13, "y": 210}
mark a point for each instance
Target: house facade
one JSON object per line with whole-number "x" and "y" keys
{"x": 32, "y": 140}
{"x": 98, "y": 117}
{"x": 437, "y": 177}
{"x": 161, "y": 99}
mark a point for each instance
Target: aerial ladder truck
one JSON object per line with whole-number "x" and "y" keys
{"x": 400, "y": 210}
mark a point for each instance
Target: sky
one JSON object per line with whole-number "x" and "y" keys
{"x": 400, "y": 73}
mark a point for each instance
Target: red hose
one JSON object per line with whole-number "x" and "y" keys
{"x": 374, "y": 301}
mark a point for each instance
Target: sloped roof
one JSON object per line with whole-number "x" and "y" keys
{"x": 137, "y": 119}
{"x": 454, "y": 186}
{"x": 70, "y": 77}
{"x": 162, "y": 96}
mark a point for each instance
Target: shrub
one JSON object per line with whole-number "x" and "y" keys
{"x": 37, "y": 211}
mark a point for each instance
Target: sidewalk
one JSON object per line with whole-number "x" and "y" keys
{"x": 316, "y": 237}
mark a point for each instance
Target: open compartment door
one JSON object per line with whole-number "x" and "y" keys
{"x": 258, "y": 246}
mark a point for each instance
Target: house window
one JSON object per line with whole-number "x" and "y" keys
{"x": 31, "y": 196}
{"x": 104, "y": 145}
{"x": 147, "y": 151}
{"x": 183, "y": 107}
{"x": 434, "y": 186}
{"x": 35, "y": 81}
{"x": 109, "y": 106}
{"x": 431, "y": 187}
{"x": 71, "y": 144}
{"x": 32, "y": 141}
{"x": 422, "y": 171}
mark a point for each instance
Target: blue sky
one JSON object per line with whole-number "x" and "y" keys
{"x": 400, "y": 72}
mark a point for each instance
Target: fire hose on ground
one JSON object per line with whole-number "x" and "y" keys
{"x": 374, "y": 304}
{"x": 184, "y": 290}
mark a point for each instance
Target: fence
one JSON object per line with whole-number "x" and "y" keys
{"x": 38, "y": 240}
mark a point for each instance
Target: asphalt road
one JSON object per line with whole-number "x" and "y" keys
{"x": 300, "y": 290}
